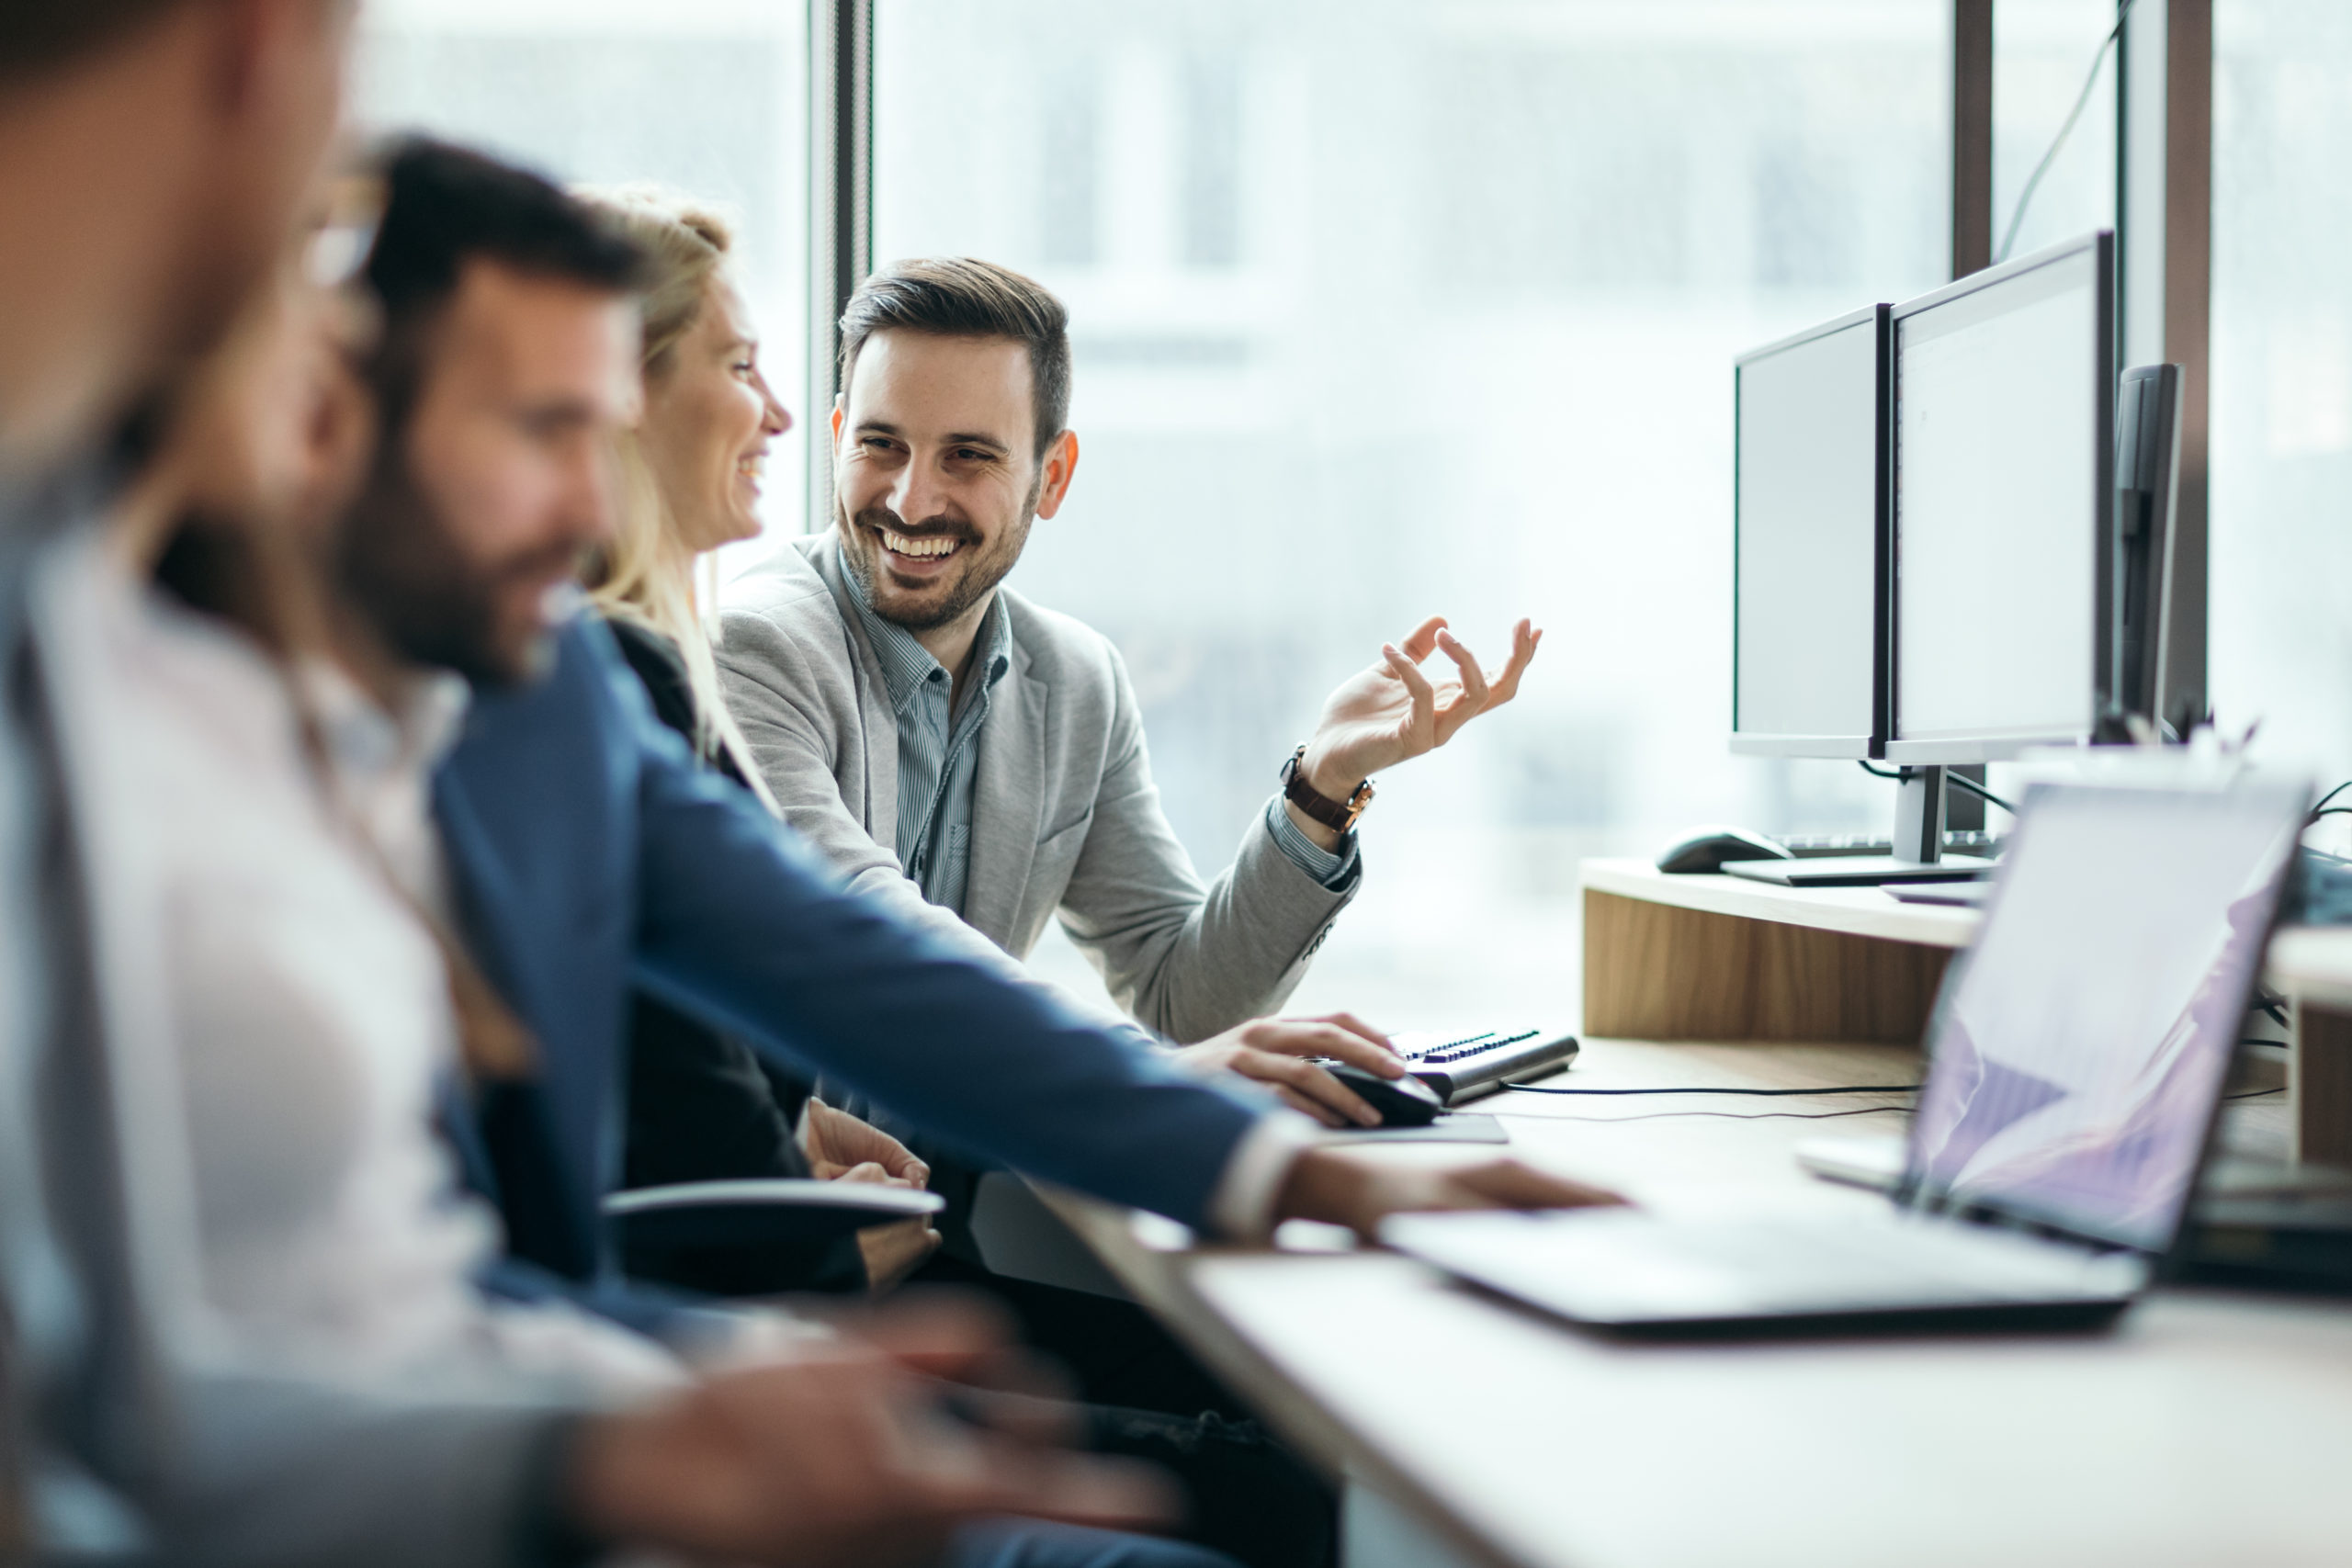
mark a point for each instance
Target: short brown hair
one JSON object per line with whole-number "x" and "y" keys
{"x": 40, "y": 36}
{"x": 958, "y": 296}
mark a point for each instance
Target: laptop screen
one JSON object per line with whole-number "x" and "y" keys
{"x": 2080, "y": 1045}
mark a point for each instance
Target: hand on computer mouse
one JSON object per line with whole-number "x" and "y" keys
{"x": 1404, "y": 1102}
{"x": 1342, "y": 1187}
{"x": 1275, "y": 1052}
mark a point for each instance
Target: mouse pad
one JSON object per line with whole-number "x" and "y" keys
{"x": 1451, "y": 1127}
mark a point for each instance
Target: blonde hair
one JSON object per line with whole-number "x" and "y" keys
{"x": 647, "y": 574}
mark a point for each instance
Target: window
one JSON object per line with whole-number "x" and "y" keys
{"x": 2281, "y": 641}
{"x": 707, "y": 97}
{"x": 1411, "y": 308}
{"x": 2042, "y": 51}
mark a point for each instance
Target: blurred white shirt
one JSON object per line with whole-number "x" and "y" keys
{"x": 313, "y": 1017}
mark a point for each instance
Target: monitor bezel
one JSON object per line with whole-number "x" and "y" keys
{"x": 1994, "y": 746}
{"x": 1839, "y": 746}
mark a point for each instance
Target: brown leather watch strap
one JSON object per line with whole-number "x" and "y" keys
{"x": 1338, "y": 816}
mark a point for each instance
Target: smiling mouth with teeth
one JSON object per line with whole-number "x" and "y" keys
{"x": 919, "y": 549}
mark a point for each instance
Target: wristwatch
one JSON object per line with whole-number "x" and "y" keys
{"x": 1340, "y": 816}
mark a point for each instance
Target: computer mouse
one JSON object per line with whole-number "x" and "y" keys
{"x": 1706, "y": 850}
{"x": 1402, "y": 1102}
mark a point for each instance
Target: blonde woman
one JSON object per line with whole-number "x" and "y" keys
{"x": 691, "y": 471}
{"x": 702, "y": 1107}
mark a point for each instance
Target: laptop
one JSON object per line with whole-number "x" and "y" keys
{"x": 2078, "y": 1055}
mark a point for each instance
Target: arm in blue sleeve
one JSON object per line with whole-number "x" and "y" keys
{"x": 741, "y": 925}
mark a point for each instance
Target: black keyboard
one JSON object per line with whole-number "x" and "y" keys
{"x": 1464, "y": 1067}
{"x": 1821, "y": 846}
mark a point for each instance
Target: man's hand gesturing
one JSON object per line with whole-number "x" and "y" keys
{"x": 1392, "y": 711}
{"x": 844, "y": 1457}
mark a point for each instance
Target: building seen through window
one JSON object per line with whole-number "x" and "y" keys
{"x": 1409, "y": 306}
{"x": 1393, "y": 308}
{"x": 706, "y": 96}
{"x": 2282, "y": 383}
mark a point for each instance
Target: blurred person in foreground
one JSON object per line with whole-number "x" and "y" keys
{"x": 314, "y": 1004}
{"x": 589, "y": 855}
{"x": 153, "y": 154}
{"x": 701, "y": 1106}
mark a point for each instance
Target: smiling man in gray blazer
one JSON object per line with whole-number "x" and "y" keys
{"x": 967, "y": 754}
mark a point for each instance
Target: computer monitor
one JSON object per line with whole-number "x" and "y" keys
{"x": 1808, "y": 542}
{"x": 2001, "y": 496}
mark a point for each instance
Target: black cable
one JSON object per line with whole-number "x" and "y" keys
{"x": 1953, "y": 775}
{"x": 2025, "y": 197}
{"x": 1737, "y": 1115}
{"x": 2328, "y": 811}
{"x": 1845, "y": 1088}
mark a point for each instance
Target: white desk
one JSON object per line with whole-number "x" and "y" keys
{"x": 2207, "y": 1429}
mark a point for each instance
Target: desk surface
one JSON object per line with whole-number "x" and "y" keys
{"x": 2312, "y": 963}
{"x": 2205, "y": 1430}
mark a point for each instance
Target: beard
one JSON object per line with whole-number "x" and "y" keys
{"x": 398, "y": 560}
{"x": 983, "y": 566}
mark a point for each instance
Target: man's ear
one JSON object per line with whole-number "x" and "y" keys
{"x": 271, "y": 59}
{"x": 837, "y": 421}
{"x": 1060, "y": 467}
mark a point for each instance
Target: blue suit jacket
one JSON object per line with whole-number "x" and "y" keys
{"x": 591, "y": 855}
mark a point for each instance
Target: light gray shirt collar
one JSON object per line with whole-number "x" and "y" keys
{"x": 907, "y": 664}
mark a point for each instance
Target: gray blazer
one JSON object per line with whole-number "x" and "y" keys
{"x": 1065, "y": 816}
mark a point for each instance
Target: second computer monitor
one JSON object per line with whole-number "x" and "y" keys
{"x": 2004, "y": 390}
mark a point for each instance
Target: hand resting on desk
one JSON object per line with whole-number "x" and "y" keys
{"x": 1274, "y": 1051}
{"x": 1344, "y": 1188}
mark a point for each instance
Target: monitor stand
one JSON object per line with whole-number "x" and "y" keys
{"x": 1918, "y": 849}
